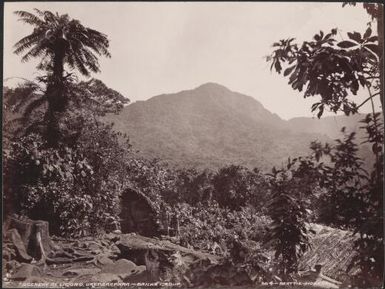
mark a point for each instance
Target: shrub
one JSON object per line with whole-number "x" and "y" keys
{"x": 215, "y": 229}
{"x": 75, "y": 188}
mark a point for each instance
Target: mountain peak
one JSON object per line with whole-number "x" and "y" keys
{"x": 210, "y": 86}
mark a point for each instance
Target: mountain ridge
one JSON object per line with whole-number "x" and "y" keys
{"x": 211, "y": 126}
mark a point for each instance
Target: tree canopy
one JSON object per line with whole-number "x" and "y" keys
{"x": 58, "y": 39}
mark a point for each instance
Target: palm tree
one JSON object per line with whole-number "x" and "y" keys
{"x": 59, "y": 40}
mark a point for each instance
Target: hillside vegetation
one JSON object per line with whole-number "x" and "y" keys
{"x": 211, "y": 126}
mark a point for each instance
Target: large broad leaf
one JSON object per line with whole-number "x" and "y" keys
{"x": 368, "y": 32}
{"x": 372, "y": 39}
{"x": 354, "y": 86}
{"x": 355, "y": 36}
{"x": 373, "y": 48}
{"x": 346, "y": 44}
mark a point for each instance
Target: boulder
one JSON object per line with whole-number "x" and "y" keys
{"x": 104, "y": 260}
{"x": 122, "y": 266}
{"x": 140, "y": 275}
{"x": 106, "y": 278}
{"x": 132, "y": 244}
{"x": 25, "y": 272}
{"x": 163, "y": 260}
{"x": 74, "y": 272}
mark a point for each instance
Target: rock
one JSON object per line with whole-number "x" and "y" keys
{"x": 26, "y": 271}
{"x": 122, "y": 266}
{"x": 139, "y": 275}
{"x": 130, "y": 242}
{"x": 94, "y": 247}
{"x": 104, "y": 260}
{"x": 96, "y": 252}
{"x": 40, "y": 280}
{"x": 115, "y": 250}
{"x": 3, "y": 267}
{"x": 104, "y": 243}
{"x": 91, "y": 245}
{"x": 112, "y": 237}
{"x": 11, "y": 265}
{"x": 127, "y": 271}
{"x": 55, "y": 247}
{"x": 6, "y": 277}
{"x": 106, "y": 278}
{"x": 9, "y": 250}
{"x": 81, "y": 271}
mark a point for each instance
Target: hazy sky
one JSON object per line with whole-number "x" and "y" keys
{"x": 167, "y": 47}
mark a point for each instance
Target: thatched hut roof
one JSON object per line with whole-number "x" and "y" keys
{"x": 331, "y": 248}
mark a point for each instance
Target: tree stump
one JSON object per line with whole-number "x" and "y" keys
{"x": 34, "y": 235}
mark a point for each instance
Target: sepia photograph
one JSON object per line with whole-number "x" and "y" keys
{"x": 193, "y": 144}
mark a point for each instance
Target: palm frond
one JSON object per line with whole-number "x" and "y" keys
{"x": 79, "y": 63}
{"x": 50, "y": 17}
{"x": 29, "y": 18}
{"x": 91, "y": 60}
{"x": 15, "y": 121}
{"x": 93, "y": 39}
{"x": 98, "y": 49}
{"x": 22, "y": 126}
{"x": 36, "y": 51}
{"x": 22, "y": 46}
{"x": 33, "y": 105}
{"x": 20, "y": 96}
{"x": 44, "y": 64}
{"x": 39, "y": 12}
{"x": 29, "y": 39}
{"x": 11, "y": 127}
{"x": 70, "y": 61}
{"x": 99, "y": 42}
{"x": 36, "y": 126}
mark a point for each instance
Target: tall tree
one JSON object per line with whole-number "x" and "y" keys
{"x": 59, "y": 40}
{"x": 334, "y": 70}
{"x": 291, "y": 189}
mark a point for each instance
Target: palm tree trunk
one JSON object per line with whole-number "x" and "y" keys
{"x": 57, "y": 99}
